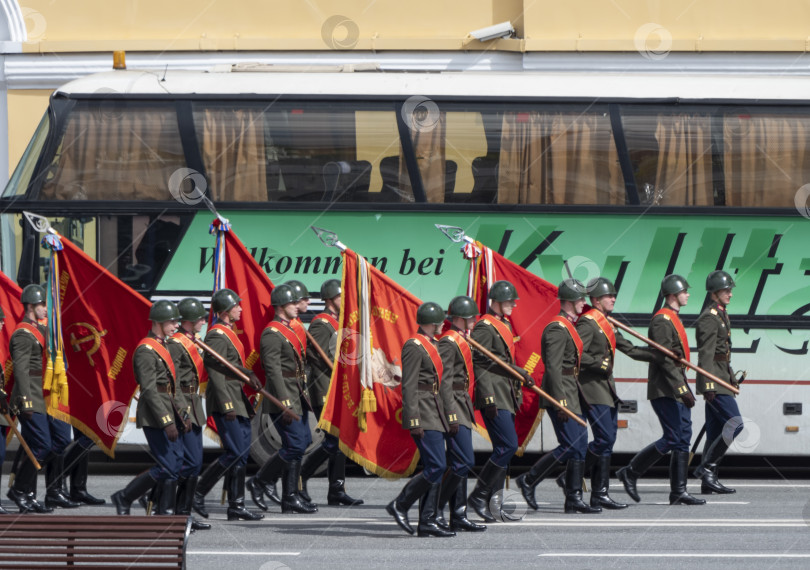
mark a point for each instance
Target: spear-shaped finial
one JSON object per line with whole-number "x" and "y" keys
{"x": 455, "y": 233}
{"x": 39, "y": 223}
{"x": 328, "y": 238}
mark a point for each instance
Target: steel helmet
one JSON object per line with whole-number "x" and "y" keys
{"x": 162, "y": 311}
{"x": 33, "y": 295}
{"x": 224, "y": 300}
{"x": 503, "y": 291}
{"x": 673, "y": 284}
{"x": 430, "y": 314}
{"x": 299, "y": 290}
{"x": 718, "y": 280}
{"x": 191, "y": 310}
{"x": 282, "y": 295}
{"x": 330, "y": 289}
{"x": 571, "y": 290}
{"x": 462, "y": 306}
{"x": 600, "y": 287}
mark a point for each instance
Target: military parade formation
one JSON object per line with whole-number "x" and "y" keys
{"x": 453, "y": 349}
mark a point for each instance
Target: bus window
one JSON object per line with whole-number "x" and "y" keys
{"x": 18, "y": 184}
{"x": 300, "y": 151}
{"x": 120, "y": 150}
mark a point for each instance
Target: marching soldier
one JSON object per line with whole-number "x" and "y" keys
{"x": 158, "y": 413}
{"x": 323, "y": 329}
{"x": 458, "y": 372}
{"x": 190, "y": 374}
{"x": 283, "y": 360}
{"x": 497, "y": 394}
{"x": 47, "y": 437}
{"x": 3, "y": 410}
{"x": 713, "y": 332}
{"x": 424, "y": 415}
{"x": 671, "y": 399}
{"x": 562, "y": 352}
{"x": 77, "y": 462}
{"x": 230, "y": 408}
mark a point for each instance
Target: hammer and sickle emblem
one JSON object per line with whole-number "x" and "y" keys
{"x": 94, "y": 336}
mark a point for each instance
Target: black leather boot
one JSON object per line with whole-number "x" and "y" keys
{"x": 398, "y": 508}
{"x": 428, "y": 507}
{"x": 642, "y": 461}
{"x": 138, "y": 486}
{"x": 167, "y": 497}
{"x": 24, "y": 490}
{"x": 600, "y": 483}
{"x": 236, "y": 497}
{"x": 450, "y": 482}
{"x": 208, "y": 479}
{"x": 77, "y": 461}
{"x": 707, "y": 470}
{"x": 309, "y": 465}
{"x": 479, "y": 498}
{"x": 458, "y": 504}
{"x": 528, "y": 482}
{"x": 291, "y": 501}
{"x": 336, "y": 473}
{"x": 573, "y": 489}
{"x": 678, "y": 466}
{"x": 2, "y": 510}
{"x": 185, "y": 498}
{"x": 54, "y": 485}
{"x": 263, "y": 483}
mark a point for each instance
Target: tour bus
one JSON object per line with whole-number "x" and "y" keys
{"x": 628, "y": 176}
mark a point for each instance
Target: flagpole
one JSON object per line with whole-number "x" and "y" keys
{"x": 27, "y": 449}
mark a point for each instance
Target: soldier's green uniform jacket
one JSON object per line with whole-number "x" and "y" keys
{"x": 422, "y": 404}
{"x": 223, "y": 393}
{"x": 455, "y": 385}
{"x": 156, "y": 402}
{"x": 493, "y": 384}
{"x": 560, "y": 360}
{"x": 318, "y": 379}
{"x": 26, "y": 353}
{"x": 713, "y": 335}
{"x": 665, "y": 378}
{"x": 188, "y": 385}
{"x": 596, "y": 362}
{"x": 283, "y": 370}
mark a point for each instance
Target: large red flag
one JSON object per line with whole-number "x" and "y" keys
{"x": 243, "y": 274}
{"x": 538, "y": 304}
{"x": 364, "y": 405}
{"x": 103, "y": 320}
{"x": 10, "y": 301}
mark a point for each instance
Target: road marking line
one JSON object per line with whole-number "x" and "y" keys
{"x": 658, "y": 555}
{"x": 786, "y": 485}
{"x": 712, "y": 503}
{"x": 232, "y": 553}
{"x": 644, "y": 524}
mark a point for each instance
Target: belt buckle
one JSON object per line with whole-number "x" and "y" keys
{"x": 435, "y": 388}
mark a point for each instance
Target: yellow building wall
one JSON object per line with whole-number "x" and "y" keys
{"x": 25, "y": 110}
{"x": 542, "y": 25}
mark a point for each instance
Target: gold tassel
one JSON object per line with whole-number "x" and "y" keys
{"x": 368, "y": 404}
{"x": 61, "y": 381}
{"x": 47, "y": 380}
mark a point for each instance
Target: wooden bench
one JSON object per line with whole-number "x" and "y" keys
{"x": 36, "y": 541}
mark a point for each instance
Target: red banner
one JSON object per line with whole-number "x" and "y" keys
{"x": 538, "y": 304}
{"x": 10, "y": 301}
{"x": 364, "y": 405}
{"x": 103, "y": 320}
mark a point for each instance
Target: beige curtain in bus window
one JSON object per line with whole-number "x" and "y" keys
{"x": 233, "y": 152}
{"x": 429, "y": 136}
{"x": 684, "y": 173}
{"x": 117, "y": 154}
{"x": 558, "y": 158}
{"x": 766, "y": 159}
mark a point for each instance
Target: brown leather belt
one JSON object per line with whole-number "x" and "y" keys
{"x": 722, "y": 357}
{"x": 35, "y": 372}
{"x": 432, "y": 388}
{"x": 460, "y": 386}
{"x": 569, "y": 371}
{"x": 163, "y": 388}
{"x": 289, "y": 375}
{"x": 188, "y": 389}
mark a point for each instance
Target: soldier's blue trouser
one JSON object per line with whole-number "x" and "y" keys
{"x": 432, "y": 452}
{"x": 572, "y": 438}
{"x": 192, "y": 452}
{"x": 676, "y": 421}
{"x": 168, "y": 454}
{"x": 295, "y": 438}
{"x": 502, "y": 434}
{"x": 723, "y": 419}
{"x": 330, "y": 443}
{"x": 235, "y": 438}
{"x": 603, "y": 420}
{"x": 45, "y": 435}
{"x": 460, "y": 454}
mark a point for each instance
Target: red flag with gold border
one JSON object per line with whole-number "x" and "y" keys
{"x": 538, "y": 304}
{"x": 364, "y": 406}
{"x": 10, "y": 301}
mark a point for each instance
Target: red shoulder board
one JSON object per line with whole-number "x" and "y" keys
{"x": 328, "y": 318}
{"x": 298, "y": 328}
{"x": 288, "y": 334}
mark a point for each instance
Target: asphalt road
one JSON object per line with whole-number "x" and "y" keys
{"x": 765, "y": 525}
